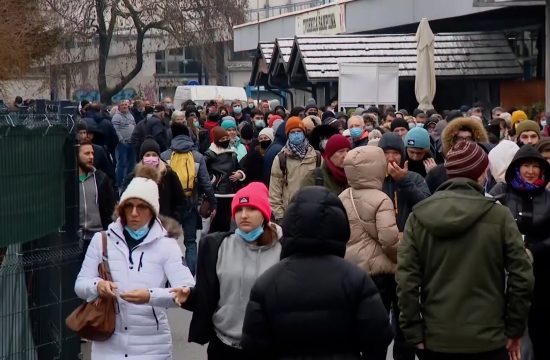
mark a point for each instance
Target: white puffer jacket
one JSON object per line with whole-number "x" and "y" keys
{"x": 142, "y": 331}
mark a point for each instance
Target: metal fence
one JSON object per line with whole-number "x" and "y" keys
{"x": 37, "y": 275}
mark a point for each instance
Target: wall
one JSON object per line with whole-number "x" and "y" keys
{"x": 518, "y": 93}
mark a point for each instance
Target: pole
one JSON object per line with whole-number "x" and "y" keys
{"x": 259, "y": 47}
{"x": 547, "y": 56}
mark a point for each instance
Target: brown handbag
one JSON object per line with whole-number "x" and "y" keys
{"x": 96, "y": 320}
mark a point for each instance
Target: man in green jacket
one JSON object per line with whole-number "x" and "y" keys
{"x": 464, "y": 277}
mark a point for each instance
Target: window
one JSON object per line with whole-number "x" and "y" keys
{"x": 178, "y": 61}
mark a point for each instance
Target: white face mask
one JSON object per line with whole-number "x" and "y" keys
{"x": 543, "y": 123}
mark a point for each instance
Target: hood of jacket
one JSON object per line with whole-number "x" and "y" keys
{"x": 182, "y": 143}
{"x": 456, "y": 206}
{"x": 280, "y": 136}
{"x": 315, "y": 223}
{"x": 365, "y": 167}
{"x": 91, "y": 125}
{"x": 528, "y": 152}
{"x": 479, "y": 133}
{"x": 500, "y": 158}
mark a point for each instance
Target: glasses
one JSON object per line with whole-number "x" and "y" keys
{"x": 140, "y": 208}
{"x": 462, "y": 138}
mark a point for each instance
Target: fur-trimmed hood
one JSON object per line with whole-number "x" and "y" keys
{"x": 452, "y": 128}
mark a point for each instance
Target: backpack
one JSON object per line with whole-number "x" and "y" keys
{"x": 183, "y": 164}
{"x": 282, "y": 164}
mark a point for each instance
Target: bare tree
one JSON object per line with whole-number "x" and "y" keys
{"x": 26, "y": 37}
{"x": 189, "y": 22}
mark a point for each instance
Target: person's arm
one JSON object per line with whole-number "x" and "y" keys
{"x": 256, "y": 337}
{"x": 372, "y": 323}
{"x": 276, "y": 190}
{"x": 205, "y": 186}
{"x": 413, "y": 188}
{"x": 178, "y": 196}
{"x": 520, "y": 281}
{"x": 178, "y": 275}
{"x": 409, "y": 282}
{"x": 387, "y": 229}
{"x": 85, "y": 286}
{"x": 117, "y": 124}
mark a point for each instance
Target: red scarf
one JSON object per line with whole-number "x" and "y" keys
{"x": 338, "y": 173}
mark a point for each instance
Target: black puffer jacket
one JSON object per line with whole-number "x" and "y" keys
{"x": 221, "y": 163}
{"x": 531, "y": 210}
{"x": 314, "y": 304}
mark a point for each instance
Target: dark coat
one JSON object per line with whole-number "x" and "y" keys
{"x": 296, "y": 313}
{"x": 106, "y": 198}
{"x": 103, "y": 162}
{"x": 435, "y": 177}
{"x": 171, "y": 197}
{"x": 530, "y": 210}
{"x": 106, "y": 134}
{"x": 253, "y": 166}
{"x": 150, "y": 126}
{"x": 221, "y": 166}
{"x": 272, "y": 151}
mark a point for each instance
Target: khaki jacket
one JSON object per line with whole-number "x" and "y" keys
{"x": 374, "y": 234}
{"x": 280, "y": 192}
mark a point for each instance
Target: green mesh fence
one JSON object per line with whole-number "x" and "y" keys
{"x": 32, "y": 182}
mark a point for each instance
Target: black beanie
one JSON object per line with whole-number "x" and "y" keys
{"x": 149, "y": 144}
{"x": 247, "y": 132}
{"x": 398, "y": 122}
{"x": 179, "y": 129}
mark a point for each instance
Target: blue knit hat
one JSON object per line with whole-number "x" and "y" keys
{"x": 228, "y": 122}
{"x": 418, "y": 137}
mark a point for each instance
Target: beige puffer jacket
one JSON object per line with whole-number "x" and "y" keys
{"x": 374, "y": 234}
{"x": 280, "y": 192}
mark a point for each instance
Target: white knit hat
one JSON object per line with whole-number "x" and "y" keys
{"x": 267, "y": 132}
{"x": 143, "y": 187}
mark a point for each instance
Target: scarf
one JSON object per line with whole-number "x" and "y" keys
{"x": 338, "y": 173}
{"x": 519, "y": 184}
{"x": 299, "y": 151}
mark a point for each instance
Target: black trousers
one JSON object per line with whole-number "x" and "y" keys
{"x": 217, "y": 350}
{"x": 222, "y": 220}
{"x": 387, "y": 287}
{"x": 500, "y": 354}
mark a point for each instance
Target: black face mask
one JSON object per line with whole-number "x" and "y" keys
{"x": 223, "y": 144}
{"x": 265, "y": 144}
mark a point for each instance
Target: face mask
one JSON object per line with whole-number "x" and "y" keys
{"x": 296, "y": 138}
{"x": 323, "y": 144}
{"x": 355, "y": 132}
{"x": 370, "y": 128}
{"x": 411, "y": 125}
{"x": 260, "y": 124}
{"x": 196, "y": 123}
{"x": 252, "y": 235}
{"x": 265, "y": 144}
{"x": 237, "y": 109}
{"x": 251, "y": 106}
{"x": 543, "y": 123}
{"x": 223, "y": 144}
{"x": 151, "y": 161}
{"x": 139, "y": 233}
{"x": 421, "y": 125}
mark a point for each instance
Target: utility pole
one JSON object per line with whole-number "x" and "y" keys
{"x": 547, "y": 56}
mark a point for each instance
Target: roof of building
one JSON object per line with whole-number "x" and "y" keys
{"x": 316, "y": 58}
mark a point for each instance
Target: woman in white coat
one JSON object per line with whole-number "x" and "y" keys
{"x": 142, "y": 257}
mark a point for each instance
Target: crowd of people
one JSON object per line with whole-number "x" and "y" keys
{"x": 322, "y": 234}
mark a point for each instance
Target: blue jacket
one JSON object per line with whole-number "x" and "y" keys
{"x": 272, "y": 151}
{"x": 183, "y": 144}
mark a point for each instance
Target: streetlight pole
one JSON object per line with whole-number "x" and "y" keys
{"x": 547, "y": 56}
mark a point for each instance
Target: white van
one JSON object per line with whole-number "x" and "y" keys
{"x": 200, "y": 94}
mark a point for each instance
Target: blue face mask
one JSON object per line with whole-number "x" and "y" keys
{"x": 252, "y": 235}
{"x": 237, "y": 109}
{"x": 139, "y": 233}
{"x": 355, "y": 132}
{"x": 251, "y": 106}
{"x": 421, "y": 125}
{"x": 197, "y": 124}
{"x": 260, "y": 124}
{"x": 296, "y": 138}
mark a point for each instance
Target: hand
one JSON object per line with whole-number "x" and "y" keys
{"x": 236, "y": 176}
{"x": 429, "y": 164}
{"x": 530, "y": 255}
{"x": 514, "y": 349}
{"x": 106, "y": 289}
{"x": 396, "y": 172}
{"x": 212, "y": 214}
{"x": 180, "y": 295}
{"x": 139, "y": 296}
{"x": 420, "y": 346}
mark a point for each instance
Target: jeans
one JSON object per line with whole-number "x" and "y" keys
{"x": 125, "y": 161}
{"x": 189, "y": 221}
